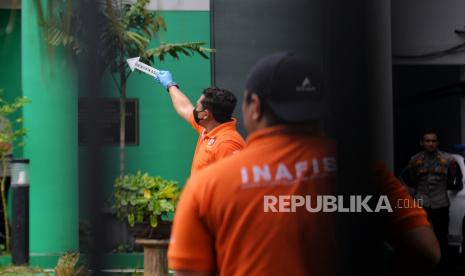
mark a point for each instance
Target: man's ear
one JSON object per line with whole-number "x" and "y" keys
{"x": 256, "y": 107}
{"x": 208, "y": 114}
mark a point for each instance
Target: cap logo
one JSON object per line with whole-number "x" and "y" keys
{"x": 306, "y": 86}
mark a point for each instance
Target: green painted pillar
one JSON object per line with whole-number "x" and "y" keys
{"x": 51, "y": 144}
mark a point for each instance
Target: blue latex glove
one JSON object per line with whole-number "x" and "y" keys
{"x": 165, "y": 79}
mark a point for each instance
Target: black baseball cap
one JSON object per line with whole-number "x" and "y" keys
{"x": 290, "y": 85}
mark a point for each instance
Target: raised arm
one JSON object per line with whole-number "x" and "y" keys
{"x": 181, "y": 102}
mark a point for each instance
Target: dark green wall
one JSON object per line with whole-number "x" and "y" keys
{"x": 167, "y": 142}
{"x": 10, "y": 55}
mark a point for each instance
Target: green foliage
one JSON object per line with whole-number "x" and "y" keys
{"x": 68, "y": 266}
{"x": 7, "y": 135}
{"x": 59, "y": 23}
{"x": 123, "y": 248}
{"x": 174, "y": 49}
{"x": 126, "y": 31}
{"x": 20, "y": 271}
{"x": 130, "y": 32}
{"x": 143, "y": 198}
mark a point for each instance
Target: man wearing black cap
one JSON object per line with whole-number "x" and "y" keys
{"x": 245, "y": 215}
{"x": 290, "y": 89}
{"x": 221, "y": 223}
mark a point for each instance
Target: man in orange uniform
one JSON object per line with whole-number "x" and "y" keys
{"x": 222, "y": 226}
{"x": 407, "y": 228}
{"x": 211, "y": 118}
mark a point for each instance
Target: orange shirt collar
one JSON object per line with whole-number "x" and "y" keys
{"x": 280, "y": 130}
{"x": 231, "y": 125}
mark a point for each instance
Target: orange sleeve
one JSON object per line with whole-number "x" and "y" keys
{"x": 194, "y": 124}
{"x": 191, "y": 246}
{"x": 406, "y": 213}
{"x": 227, "y": 148}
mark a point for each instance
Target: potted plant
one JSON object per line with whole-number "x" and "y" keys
{"x": 142, "y": 200}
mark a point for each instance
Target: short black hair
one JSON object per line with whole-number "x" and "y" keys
{"x": 220, "y": 102}
{"x": 429, "y": 131}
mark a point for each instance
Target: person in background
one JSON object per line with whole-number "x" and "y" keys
{"x": 431, "y": 172}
